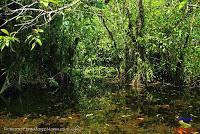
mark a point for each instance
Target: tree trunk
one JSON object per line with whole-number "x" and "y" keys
{"x": 139, "y": 28}
{"x": 130, "y": 49}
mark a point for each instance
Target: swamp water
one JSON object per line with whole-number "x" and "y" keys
{"x": 100, "y": 106}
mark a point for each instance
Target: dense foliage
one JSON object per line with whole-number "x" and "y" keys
{"x": 146, "y": 40}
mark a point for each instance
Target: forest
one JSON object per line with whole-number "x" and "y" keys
{"x": 100, "y": 66}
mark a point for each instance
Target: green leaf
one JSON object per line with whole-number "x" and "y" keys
{"x": 5, "y": 31}
{"x": 28, "y": 38}
{"x": 33, "y": 46}
{"x": 55, "y": 1}
{"x": 12, "y": 34}
{"x": 32, "y": 39}
{"x": 7, "y": 43}
{"x": 12, "y": 48}
{"x": 182, "y": 4}
{"x": 53, "y": 82}
{"x": 100, "y": 5}
{"x": 40, "y": 30}
{"x": 16, "y": 39}
{"x": 39, "y": 42}
{"x": 28, "y": 16}
{"x": 2, "y": 46}
{"x": 19, "y": 17}
{"x": 35, "y": 30}
{"x": 45, "y": 3}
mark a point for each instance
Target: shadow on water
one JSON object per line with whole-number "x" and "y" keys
{"x": 34, "y": 100}
{"x": 104, "y": 104}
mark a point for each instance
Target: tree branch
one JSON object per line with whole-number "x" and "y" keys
{"x": 46, "y": 15}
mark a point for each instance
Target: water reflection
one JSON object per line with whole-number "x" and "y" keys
{"x": 108, "y": 104}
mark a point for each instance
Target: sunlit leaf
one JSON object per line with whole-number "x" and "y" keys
{"x": 7, "y": 43}
{"x": 32, "y": 39}
{"x": 157, "y": 3}
{"x": 29, "y": 37}
{"x": 33, "y": 46}
{"x": 55, "y": 1}
{"x": 45, "y": 3}
{"x": 182, "y": 4}
{"x": 39, "y": 42}
{"x": 28, "y": 16}
{"x": 19, "y": 17}
{"x": 5, "y": 31}
{"x": 35, "y": 30}
{"x": 16, "y": 39}
{"x": 2, "y": 46}
{"x": 40, "y": 30}
{"x": 12, "y": 34}
{"x": 24, "y": 18}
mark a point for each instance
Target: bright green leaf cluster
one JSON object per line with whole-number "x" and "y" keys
{"x": 6, "y": 41}
{"x": 34, "y": 38}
